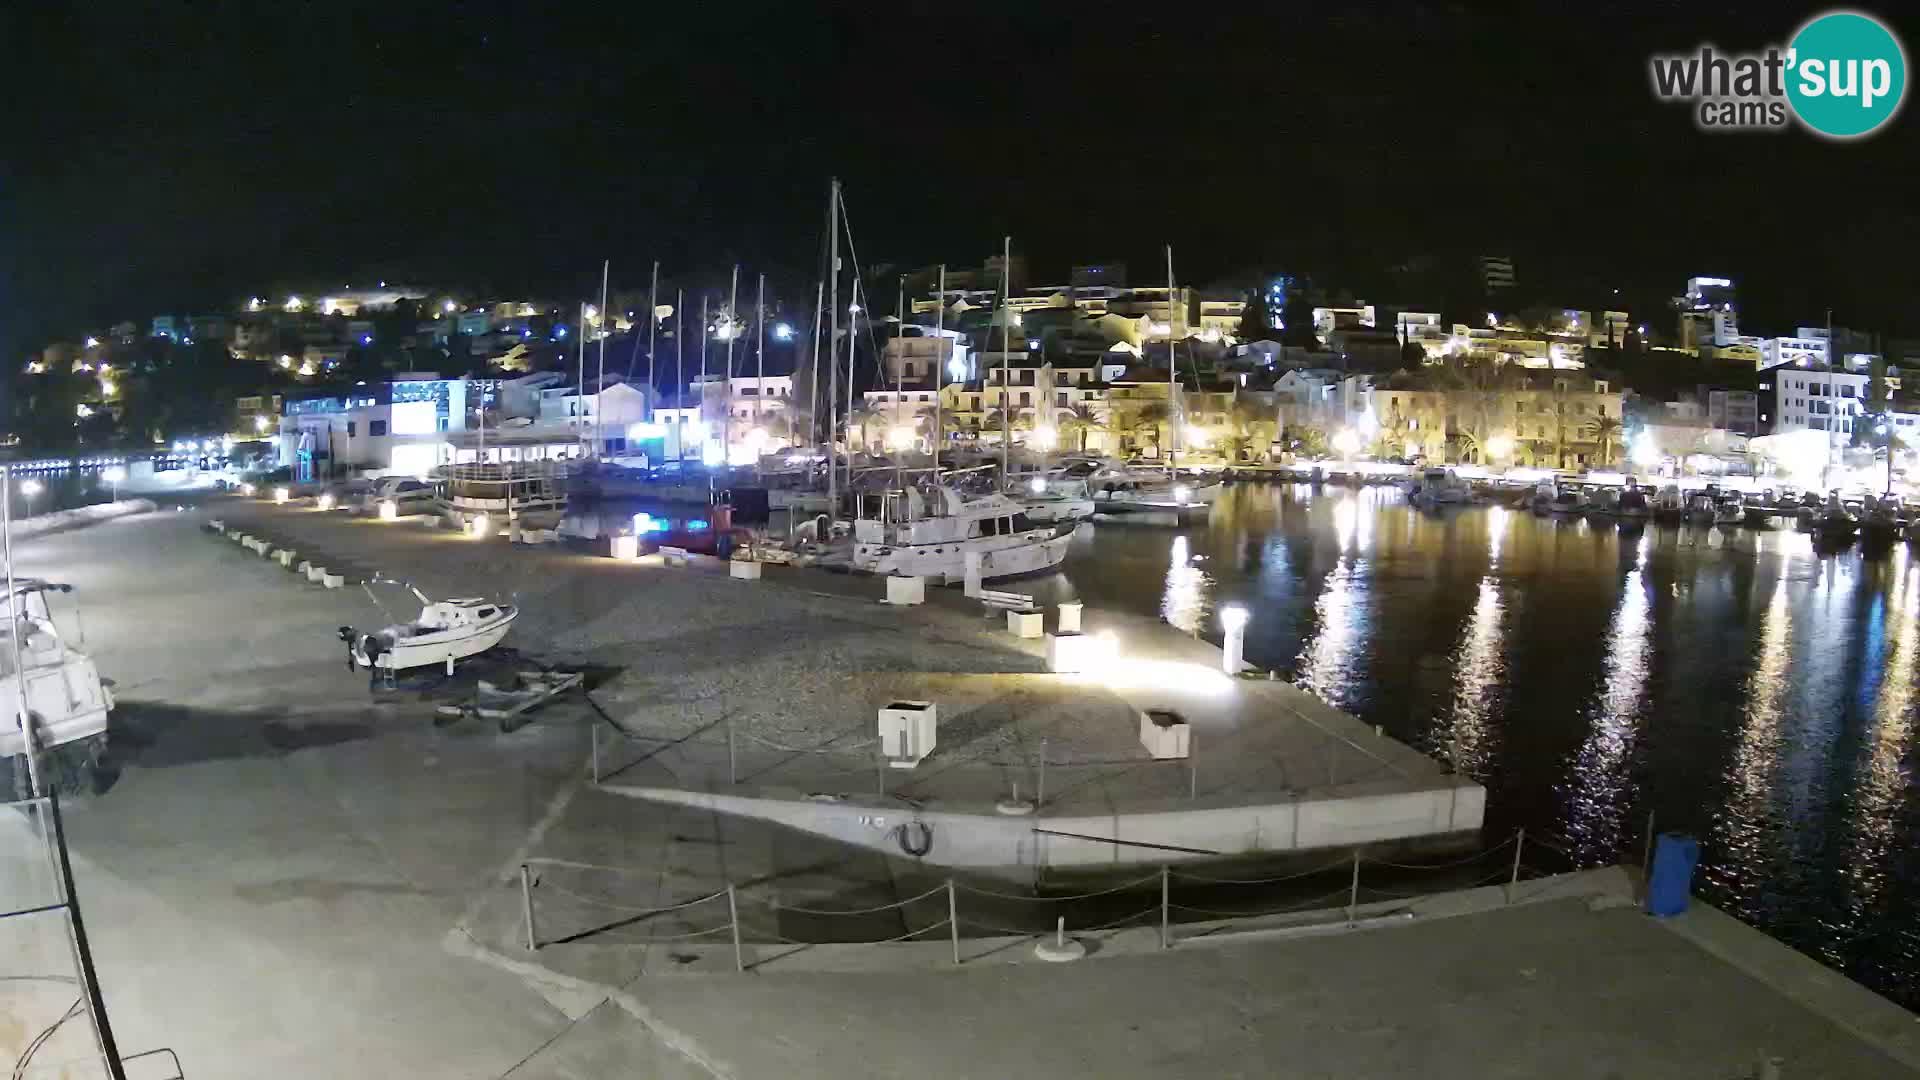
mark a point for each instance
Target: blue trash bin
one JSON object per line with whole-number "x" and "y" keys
{"x": 1670, "y": 882}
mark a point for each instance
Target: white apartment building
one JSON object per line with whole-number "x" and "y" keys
{"x": 1814, "y": 399}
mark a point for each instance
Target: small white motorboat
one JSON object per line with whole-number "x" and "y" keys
{"x": 1568, "y": 501}
{"x": 1700, "y": 508}
{"x": 1127, "y": 490}
{"x": 1730, "y": 510}
{"x": 445, "y": 631}
{"x": 1634, "y": 503}
{"x": 1603, "y": 502}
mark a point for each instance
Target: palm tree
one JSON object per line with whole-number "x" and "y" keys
{"x": 796, "y": 417}
{"x": 1249, "y": 426}
{"x": 864, "y": 414}
{"x": 1147, "y": 418}
{"x": 991, "y": 424}
{"x": 1081, "y": 419}
{"x": 1604, "y": 430}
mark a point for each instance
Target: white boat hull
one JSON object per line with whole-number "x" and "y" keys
{"x": 403, "y": 653}
{"x": 1057, "y": 511}
{"x": 1000, "y": 557}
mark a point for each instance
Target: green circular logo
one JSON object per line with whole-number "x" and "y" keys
{"x": 1847, "y": 74}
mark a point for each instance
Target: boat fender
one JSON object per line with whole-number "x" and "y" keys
{"x": 905, "y": 835}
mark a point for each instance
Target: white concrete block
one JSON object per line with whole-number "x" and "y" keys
{"x": 1070, "y": 617}
{"x": 906, "y": 590}
{"x": 745, "y": 571}
{"x": 315, "y": 573}
{"x": 333, "y": 581}
{"x": 1024, "y": 624}
{"x": 1073, "y": 653}
{"x": 626, "y": 548}
{"x": 908, "y": 732}
{"x": 674, "y": 556}
{"x": 1165, "y": 734}
{"x": 283, "y": 556}
{"x": 217, "y": 525}
{"x": 304, "y": 566}
{"x": 262, "y": 549}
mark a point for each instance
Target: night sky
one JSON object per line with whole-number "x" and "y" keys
{"x": 168, "y": 159}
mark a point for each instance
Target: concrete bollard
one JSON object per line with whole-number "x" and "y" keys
{"x": 333, "y": 581}
{"x": 674, "y": 556}
{"x": 305, "y": 565}
{"x": 1070, "y": 616}
{"x": 1024, "y": 624}
{"x": 284, "y": 557}
{"x": 972, "y": 583}
{"x": 625, "y": 548}
{"x": 217, "y": 525}
{"x": 263, "y": 549}
{"x": 1233, "y": 619}
{"x": 315, "y": 573}
{"x": 906, "y": 590}
{"x": 745, "y": 571}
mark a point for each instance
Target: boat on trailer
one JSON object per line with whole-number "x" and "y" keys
{"x": 445, "y": 631}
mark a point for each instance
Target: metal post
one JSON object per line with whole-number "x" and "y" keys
{"x": 733, "y": 916}
{"x": 82, "y": 955}
{"x": 953, "y": 919}
{"x": 1513, "y": 882}
{"x": 526, "y": 904}
{"x": 1353, "y": 891}
{"x": 880, "y": 767}
{"x": 1646, "y": 853}
{"x": 1165, "y": 875}
{"x": 27, "y": 747}
{"x": 1040, "y": 793}
{"x": 733, "y": 772}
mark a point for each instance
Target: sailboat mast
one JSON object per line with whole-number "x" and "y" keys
{"x": 1006, "y": 377}
{"x": 726, "y": 392}
{"x": 653, "y": 322}
{"x": 900, "y": 354}
{"x": 833, "y": 348}
{"x": 703, "y": 376}
{"x": 680, "y": 369}
{"x": 580, "y": 418}
{"x": 600, "y": 384}
{"x": 760, "y": 354}
{"x": 813, "y": 369}
{"x": 1173, "y": 381}
{"x": 940, "y": 378}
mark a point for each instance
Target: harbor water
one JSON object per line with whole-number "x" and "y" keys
{"x": 1735, "y": 684}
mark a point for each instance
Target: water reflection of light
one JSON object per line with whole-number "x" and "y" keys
{"x": 1749, "y": 822}
{"x": 1329, "y": 661}
{"x": 1479, "y": 675}
{"x": 1599, "y": 784}
{"x": 1883, "y": 780}
{"x": 1353, "y": 519}
{"x": 1184, "y": 602}
{"x": 1496, "y": 531}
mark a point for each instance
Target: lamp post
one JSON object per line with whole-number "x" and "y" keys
{"x": 1233, "y": 619}
{"x": 113, "y": 477}
{"x": 29, "y": 487}
{"x": 1882, "y": 429}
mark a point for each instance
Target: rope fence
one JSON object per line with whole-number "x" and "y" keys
{"x": 1203, "y": 898}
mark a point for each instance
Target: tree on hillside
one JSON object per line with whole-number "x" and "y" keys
{"x": 1255, "y": 325}
{"x": 1296, "y": 324}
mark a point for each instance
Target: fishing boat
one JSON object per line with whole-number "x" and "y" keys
{"x": 1700, "y": 508}
{"x": 1669, "y": 504}
{"x": 1634, "y": 504}
{"x": 1542, "y": 497}
{"x": 1121, "y": 490}
{"x": 1566, "y": 502}
{"x": 1833, "y": 521}
{"x": 1603, "y": 502}
{"x": 913, "y": 538}
{"x": 445, "y": 631}
{"x": 1730, "y": 509}
{"x": 1881, "y": 519}
{"x": 1440, "y": 487}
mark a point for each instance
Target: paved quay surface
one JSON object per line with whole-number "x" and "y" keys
{"x": 291, "y": 879}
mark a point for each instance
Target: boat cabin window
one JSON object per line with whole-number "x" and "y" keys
{"x": 1018, "y": 523}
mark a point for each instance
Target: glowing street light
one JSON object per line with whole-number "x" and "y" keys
{"x": 29, "y": 487}
{"x": 782, "y": 332}
{"x": 1500, "y": 446}
{"x": 1346, "y": 441}
{"x": 1045, "y": 438}
{"x": 113, "y": 476}
{"x": 260, "y": 424}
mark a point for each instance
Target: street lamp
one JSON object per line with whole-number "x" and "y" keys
{"x": 29, "y": 487}
{"x": 113, "y": 477}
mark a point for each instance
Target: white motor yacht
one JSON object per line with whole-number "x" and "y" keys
{"x": 919, "y": 540}
{"x": 66, "y": 701}
{"x": 1052, "y": 499}
{"x": 445, "y": 631}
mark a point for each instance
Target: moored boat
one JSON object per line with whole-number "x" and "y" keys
{"x": 915, "y": 539}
